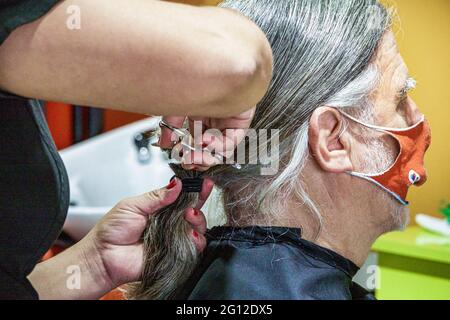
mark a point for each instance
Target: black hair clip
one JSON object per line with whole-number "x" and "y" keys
{"x": 192, "y": 184}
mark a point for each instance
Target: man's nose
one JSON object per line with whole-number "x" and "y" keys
{"x": 413, "y": 114}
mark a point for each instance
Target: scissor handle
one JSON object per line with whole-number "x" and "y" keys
{"x": 178, "y": 131}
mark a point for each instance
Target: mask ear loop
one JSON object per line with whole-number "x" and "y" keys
{"x": 368, "y": 176}
{"x": 344, "y": 127}
{"x": 380, "y": 128}
{"x": 383, "y": 130}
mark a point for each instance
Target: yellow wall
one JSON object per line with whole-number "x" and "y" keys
{"x": 423, "y": 34}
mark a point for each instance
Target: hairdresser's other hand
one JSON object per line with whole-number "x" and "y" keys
{"x": 224, "y": 142}
{"x": 116, "y": 239}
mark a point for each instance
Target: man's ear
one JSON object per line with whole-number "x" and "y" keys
{"x": 326, "y": 143}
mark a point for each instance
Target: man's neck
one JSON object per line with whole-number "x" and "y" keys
{"x": 348, "y": 227}
{"x": 340, "y": 232}
{"x": 355, "y": 247}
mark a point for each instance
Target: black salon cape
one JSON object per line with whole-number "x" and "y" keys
{"x": 275, "y": 263}
{"x": 34, "y": 189}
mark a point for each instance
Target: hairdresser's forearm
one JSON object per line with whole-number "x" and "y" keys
{"x": 74, "y": 274}
{"x": 143, "y": 56}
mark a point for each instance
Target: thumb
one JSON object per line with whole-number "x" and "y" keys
{"x": 150, "y": 202}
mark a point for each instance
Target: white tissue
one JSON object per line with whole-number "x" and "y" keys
{"x": 440, "y": 226}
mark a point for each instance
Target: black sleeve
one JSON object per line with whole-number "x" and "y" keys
{"x": 34, "y": 194}
{"x": 14, "y": 13}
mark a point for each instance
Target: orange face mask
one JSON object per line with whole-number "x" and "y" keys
{"x": 408, "y": 168}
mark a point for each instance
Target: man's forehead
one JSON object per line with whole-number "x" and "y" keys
{"x": 388, "y": 41}
{"x": 392, "y": 68}
{"x": 394, "y": 75}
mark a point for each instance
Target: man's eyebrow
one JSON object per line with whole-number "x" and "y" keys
{"x": 410, "y": 84}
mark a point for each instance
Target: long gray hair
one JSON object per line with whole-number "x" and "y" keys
{"x": 322, "y": 56}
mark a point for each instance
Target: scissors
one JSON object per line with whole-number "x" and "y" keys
{"x": 182, "y": 133}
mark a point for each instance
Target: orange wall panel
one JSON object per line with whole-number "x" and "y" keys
{"x": 114, "y": 119}
{"x": 60, "y": 122}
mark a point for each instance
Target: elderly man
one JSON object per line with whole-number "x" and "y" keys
{"x": 352, "y": 143}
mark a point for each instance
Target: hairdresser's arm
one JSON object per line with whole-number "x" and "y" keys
{"x": 144, "y": 56}
{"x": 112, "y": 253}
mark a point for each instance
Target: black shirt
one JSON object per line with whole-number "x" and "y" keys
{"x": 34, "y": 190}
{"x": 34, "y": 194}
{"x": 255, "y": 263}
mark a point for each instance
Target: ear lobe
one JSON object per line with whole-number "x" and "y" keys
{"x": 326, "y": 142}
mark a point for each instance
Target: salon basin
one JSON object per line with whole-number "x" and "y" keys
{"x": 107, "y": 168}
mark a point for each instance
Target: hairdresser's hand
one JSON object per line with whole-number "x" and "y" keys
{"x": 117, "y": 237}
{"x": 112, "y": 254}
{"x": 223, "y": 142}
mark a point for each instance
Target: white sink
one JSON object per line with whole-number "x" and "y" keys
{"x": 105, "y": 169}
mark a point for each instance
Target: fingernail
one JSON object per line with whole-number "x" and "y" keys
{"x": 195, "y": 234}
{"x": 173, "y": 183}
